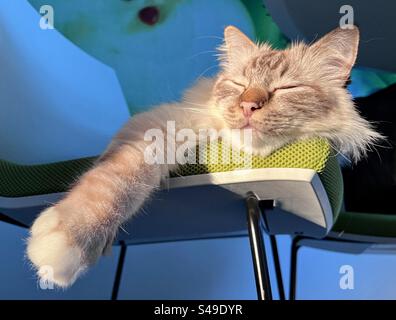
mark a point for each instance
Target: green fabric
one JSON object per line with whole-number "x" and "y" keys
{"x": 29, "y": 180}
{"x": 22, "y": 180}
{"x": 313, "y": 154}
{"x": 367, "y": 81}
{"x": 308, "y": 154}
{"x": 266, "y": 28}
{"x": 367, "y": 224}
{"x": 331, "y": 178}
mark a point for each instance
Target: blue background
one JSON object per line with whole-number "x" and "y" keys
{"x": 204, "y": 269}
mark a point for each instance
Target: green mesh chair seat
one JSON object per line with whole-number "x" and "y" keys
{"x": 316, "y": 154}
{"x": 29, "y": 180}
{"x": 366, "y": 225}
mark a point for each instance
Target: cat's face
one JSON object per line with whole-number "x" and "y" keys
{"x": 286, "y": 94}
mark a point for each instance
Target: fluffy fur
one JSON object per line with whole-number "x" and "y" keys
{"x": 299, "y": 93}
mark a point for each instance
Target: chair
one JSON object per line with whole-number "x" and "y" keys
{"x": 352, "y": 231}
{"x": 297, "y": 190}
{"x": 297, "y": 179}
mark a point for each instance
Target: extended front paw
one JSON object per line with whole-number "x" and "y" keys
{"x": 53, "y": 252}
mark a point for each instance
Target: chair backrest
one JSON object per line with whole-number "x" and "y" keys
{"x": 57, "y": 102}
{"x": 310, "y": 19}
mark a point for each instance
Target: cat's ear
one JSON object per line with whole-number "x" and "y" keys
{"x": 236, "y": 39}
{"x": 338, "y": 51}
{"x": 236, "y": 44}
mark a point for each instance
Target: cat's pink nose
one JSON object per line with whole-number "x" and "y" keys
{"x": 249, "y": 107}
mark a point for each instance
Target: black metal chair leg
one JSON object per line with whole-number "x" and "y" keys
{"x": 293, "y": 268}
{"x": 277, "y": 265}
{"x": 257, "y": 247}
{"x": 120, "y": 265}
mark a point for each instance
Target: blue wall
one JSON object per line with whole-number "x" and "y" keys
{"x": 205, "y": 269}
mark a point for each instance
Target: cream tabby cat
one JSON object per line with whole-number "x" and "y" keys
{"x": 281, "y": 95}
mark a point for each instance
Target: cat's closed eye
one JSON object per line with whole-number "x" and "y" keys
{"x": 286, "y": 87}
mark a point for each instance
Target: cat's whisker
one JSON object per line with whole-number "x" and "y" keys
{"x": 195, "y": 104}
{"x": 201, "y": 53}
{"x": 389, "y": 146}
{"x": 380, "y": 122}
{"x": 143, "y": 211}
{"x": 378, "y": 154}
{"x": 123, "y": 229}
{"x": 50, "y": 203}
{"x": 202, "y": 108}
{"x": 197, "y": 111}
{"x": 209, "y": 37}
{"x": 340, "y": 153}
{"x": 206, "y": 70}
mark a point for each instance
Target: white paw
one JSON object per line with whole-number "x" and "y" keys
{"x": 50, "y": 250}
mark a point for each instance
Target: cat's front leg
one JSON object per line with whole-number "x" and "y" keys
{"x": 70, "y": 236}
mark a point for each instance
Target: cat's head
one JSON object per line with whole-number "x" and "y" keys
{"x": 299, "y": 92}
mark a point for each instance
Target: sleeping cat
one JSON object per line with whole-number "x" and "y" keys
{"x": 281, "y": 96}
